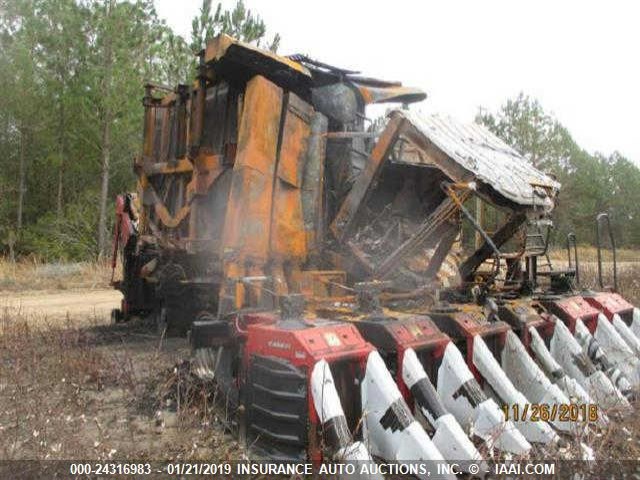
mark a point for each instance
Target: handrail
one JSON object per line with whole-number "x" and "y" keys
{"x": 571, "y": 242}
{"x": 599, "y": 234}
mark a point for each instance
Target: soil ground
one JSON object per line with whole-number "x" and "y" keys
{"x": 73, "y": 386}
{"x": 77, "y": 305}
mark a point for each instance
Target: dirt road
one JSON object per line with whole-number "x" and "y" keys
{"x": 92, "y": 305}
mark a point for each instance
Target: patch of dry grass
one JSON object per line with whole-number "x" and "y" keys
{"x": 628, "y": 280}
{"x": 628, "y": 270}
{"x": 34, "y": 275}
{"x": 102, "y": 392}
{"x": 620, "y": 439}
{"x": 588, "y": 253}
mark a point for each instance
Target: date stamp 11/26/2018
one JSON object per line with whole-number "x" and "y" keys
{"x": 543, "y": 412}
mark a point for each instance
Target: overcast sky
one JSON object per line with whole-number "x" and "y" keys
{"x": 580, "y": 59}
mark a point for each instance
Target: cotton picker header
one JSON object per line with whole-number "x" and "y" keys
{"x": 314, "y": 260}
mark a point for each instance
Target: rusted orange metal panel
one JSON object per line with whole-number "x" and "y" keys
{"x": 155, "y": 168}
{"x": 143, "y": 219}
{"x": 164, "y": 137}
{"x": 288, "y": 238}
{"x": 207, "y": 169}
{"x": 248, "y": 219}
{"x": 313, "y": 184}
{"x": 396, "y": 93}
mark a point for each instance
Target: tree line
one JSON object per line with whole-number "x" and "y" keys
{"x": 72, "y": 73}
{"x": 591, "y": 182}
{"x": 71, "y": 114}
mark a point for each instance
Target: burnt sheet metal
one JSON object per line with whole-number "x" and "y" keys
{"x": 247, "y": 227}
{"x": 236, "y": 59}
{"x": 372, "y": 90}
{"x": 384, "y": 94}
{"x": 313, "y": 184}
{"x": 473, "y": 152}
{"x": 344, "y": 221}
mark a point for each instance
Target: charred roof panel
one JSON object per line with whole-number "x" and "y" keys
{"x": 239, "y": 61}
{"x": 489, "y": 159}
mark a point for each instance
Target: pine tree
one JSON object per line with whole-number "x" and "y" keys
{"x": 240, "y": 23}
